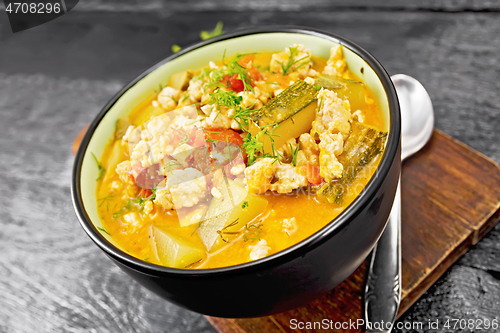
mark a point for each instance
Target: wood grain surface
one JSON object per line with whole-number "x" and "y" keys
{"x": 55, "y": 78}
{"x": 443, "y": 214}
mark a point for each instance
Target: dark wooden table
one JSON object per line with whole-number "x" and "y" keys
{"x": 55, "y": 78}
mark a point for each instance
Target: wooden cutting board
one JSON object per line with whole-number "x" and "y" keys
{"x": 450, "y": 200}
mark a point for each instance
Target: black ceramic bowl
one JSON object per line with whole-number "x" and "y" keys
{"x": 289, "y": 278}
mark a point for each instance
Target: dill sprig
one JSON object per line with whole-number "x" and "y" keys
{"x": 105, "y": 199}
{"x": 234, "y": 67}
{"x": 204, "y": 35}
{"x": 243, "y": 115}
{"x": 253, "y": 146}
{"x": 100, "y": 169}
{"x": 104, "y": 230}
{"x": 293, "y": 64}
{"x": 225, "y": 98}
{"x": 128, "y": 206}
{"x": 175, "y": 48}
{"x": 169, "y": 165}
{"x": 252, "y": 230}
{"x": 205, "y": 72}
{"x": 294, "y": 153}
{"x": 320, "y": 103}
{"x": 132, "y": 204}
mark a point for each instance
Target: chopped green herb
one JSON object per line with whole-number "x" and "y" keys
{"x": 184, "y": 97}
{"x": 197, "y": 227}
{"x": 243, "y": 115}
{"x": 168, "y": 166}
{"x": 106, "y": 199}
{"x": 128, "y": 206}
{"x": 293, "y": 64}
{"x": 99, "y": 168}
{"x": 225, "y": 98}
{"x": 320, "y": 103}
{"x": 245, "y": 204}
{"x": 104, "y": 230}
{"x": 176, "y": 48}
{"x": 205, "y": 72}
{"x": 207, "y": 131}
{"x": 146, "y": 259}
{"x": 204, "y": 35}
{"x": 252, "y": 230}
{"x": 234, "y": 67}
{"x": 253, "y": 146}
{"x": 184, "y": 136}
{"x": 294, "y": 153}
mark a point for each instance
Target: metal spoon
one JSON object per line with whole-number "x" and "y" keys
{"x": 383, "y": 287}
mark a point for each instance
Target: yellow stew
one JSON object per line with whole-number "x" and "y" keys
{"x": 240, "y": 159}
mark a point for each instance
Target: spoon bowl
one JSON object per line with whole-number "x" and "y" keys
{"x": 417, "y": 114}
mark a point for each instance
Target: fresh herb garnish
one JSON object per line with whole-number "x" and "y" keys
{"x": 176, "y": 48}
{"x": 106, "y": 199}
{"x": 294, "y": 153}
{"x": 184, "y": 97}
{"x": 225, "y": 98}
{"x": 132, "y": 204}
{"x": 207, "y": 131}
{"x": 293, "y": 64}
{"x": 320, "y": 103}
{"x": 234, "y": 67}
{"x": 184, "y": 136}
{"x": 245, "y": 204}
{"x": 104, "y": 230}
{"x": 205, "y": 72}
{"x": 243, "y": 115}
{"x": 253, "y": 146}
{"x": 99, "y": 168}
{"x": 204, "y": 35}
{"x": 252, "y": 230}
{"x": 168, "y": 166}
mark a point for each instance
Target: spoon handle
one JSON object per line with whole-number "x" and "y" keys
{"x": 383, "y": 286}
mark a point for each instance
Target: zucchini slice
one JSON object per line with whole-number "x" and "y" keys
{"x": 290, "y": 101}
{"x": 293, "y": 110}
{"x": 364, "y": 144}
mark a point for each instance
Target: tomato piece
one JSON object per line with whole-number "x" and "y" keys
{"x": 254, "y": 74}
{"x": 145, "y": 193}
{"x": 311, "y": 172}
{"x": 225, "y": 135}
{"x": 236, "y": 84}
{"x": 225, "y": 80}
{"x": 247, "y": 60}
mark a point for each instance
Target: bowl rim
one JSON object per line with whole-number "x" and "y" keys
{"x": 319, "y": 237}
